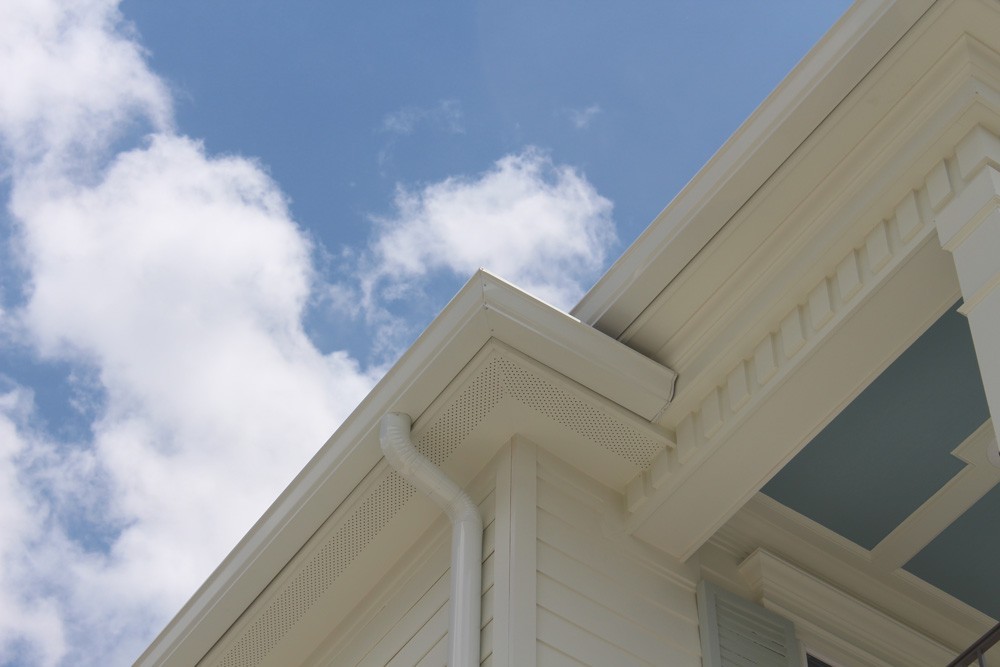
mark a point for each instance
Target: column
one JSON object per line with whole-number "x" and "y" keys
{"x": 969, "y": 228}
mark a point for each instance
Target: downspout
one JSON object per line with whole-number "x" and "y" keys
{"x": 466, "y": 535}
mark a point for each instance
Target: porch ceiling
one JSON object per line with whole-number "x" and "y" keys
{"x": 892, "y": 450}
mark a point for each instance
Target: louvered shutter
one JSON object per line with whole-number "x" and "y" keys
{"x": 739, "y": 633}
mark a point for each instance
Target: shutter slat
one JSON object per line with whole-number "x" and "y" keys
{"x": 738, "y": 633}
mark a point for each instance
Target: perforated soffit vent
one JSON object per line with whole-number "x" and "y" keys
{"x": 276, "y": 612}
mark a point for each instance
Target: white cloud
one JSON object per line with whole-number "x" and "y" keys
{"x": 540, "y": 225}
{"x": 29, "y": 620}
{"x": 582, "y": 118}
{"x": 181, "y": 281}
{"x": 175, "y": 283}
{"x": 446, "y": 115}
{"x": 70, "y": 78}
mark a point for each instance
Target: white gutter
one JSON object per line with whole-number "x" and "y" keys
{"x": 466, "y": 535}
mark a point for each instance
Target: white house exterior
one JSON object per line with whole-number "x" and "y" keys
{"x": 779, "y": 326}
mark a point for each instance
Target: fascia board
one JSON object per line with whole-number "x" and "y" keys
{"x": 820, "y": 82}
{"x": 485, "y": 308}
{"x": 811, "y": 601}
{"x": 576, "y": 350}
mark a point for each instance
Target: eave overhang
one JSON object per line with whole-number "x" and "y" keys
{"x": 810, "y": 92}
{"x": 492, "y": 334}
{"x": 779, "y": 310}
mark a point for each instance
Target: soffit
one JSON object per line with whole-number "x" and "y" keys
{"x": 852, "y": 172}
{"x": 902, "y": 428}
{"x": 765, "y": 524}
{"x": 902, "y": 472}
{"x": 828, "y": 297}
{"x": 499, "y": 394}
{"x": 545, "y": 374}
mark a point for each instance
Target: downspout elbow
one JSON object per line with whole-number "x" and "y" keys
{"x": 467, "y": 534}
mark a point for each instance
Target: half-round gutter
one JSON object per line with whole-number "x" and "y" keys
{"x": 466, "y": 535}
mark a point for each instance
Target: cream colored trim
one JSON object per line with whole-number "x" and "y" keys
{"x": 786, "y": 118}
{"x": 516, "y": 550}
{"x": 947, "y": 504}
{"x": 486, "y": 311}
{"x": 766, "y": 363}
{"x": 820, "y": 610}
{"x": 733, "y": 377}
{"x": 500, "y": 393}
{"x": 764, "y": 523}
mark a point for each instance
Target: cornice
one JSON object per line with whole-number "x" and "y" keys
{"x": 817, "y": 607}
{"x": 765, "y": 364}
{"x": 826, "y": 75}
{"x": 764, "y": 524}
{"x": 853, "y": 255}
{"x": 588, "y": 366}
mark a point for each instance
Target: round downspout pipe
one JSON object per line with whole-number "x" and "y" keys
{"x": 466, "y": 535}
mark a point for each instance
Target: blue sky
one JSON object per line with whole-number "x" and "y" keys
{"x": 222, "y": 221}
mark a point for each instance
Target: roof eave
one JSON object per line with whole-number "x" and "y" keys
{"x": 749, "y": 157}
{"x": 486, "y": 308}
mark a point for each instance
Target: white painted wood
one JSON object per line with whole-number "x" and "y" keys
{"x": 969, "y": 227}
{"x": 832, "y": 613}
{"x": 555, "y": 658}
{"x": 588, "y": 613}
{"x": 514, "y": 618}
{"x": 581, "y": 644}
{"x": 849, "y": 174}
{"x": 600, "y": 601}
{"x": 405, "y": 621}
{"x": 486, "y": 309}
{"x": 792, "y": 336}
{"x": 765, "y": 523}
{"x": 723, "y": 472}
{"x": 939, "y": 190}
{"x": 421, "y": 643}
{"x": 436, "y": 657}
{"x": 737, "y": 633}
{"x": 762, "y": 144}
{"x": 501, "y": 560}
{"x": 947, "y": 504}
{"x": 865, "y": 213}
{"x": 817, "y": 187}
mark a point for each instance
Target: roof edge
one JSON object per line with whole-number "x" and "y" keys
{"x": 486, "y": 308}
{"x": 813, "y": 89}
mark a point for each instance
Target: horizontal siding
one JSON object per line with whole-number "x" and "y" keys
{"x": 411, "y": 626}
{"x": 598, "y": 604}
{"x": 546, "y": 655}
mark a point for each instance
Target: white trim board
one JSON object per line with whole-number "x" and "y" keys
{"x": 486, "y": 309}
{"x": 515, "y": 578}
{"x": 820, "y": 609}
{"x": 767, "y": 524}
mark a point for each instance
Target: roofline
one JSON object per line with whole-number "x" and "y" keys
{"x": 813, "y": 89}
{"x": 486, "y": 308}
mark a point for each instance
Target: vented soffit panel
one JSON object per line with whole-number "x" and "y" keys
{"x": 500, "y": 393}
{"x": 551, "y": 375}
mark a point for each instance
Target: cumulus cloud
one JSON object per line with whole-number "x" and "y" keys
{"x": 174, "y": 283}
{"x": 178, "y": 281}
{"x": 31, "y": 629}
{"x": 446, "y": 115}
{"x": 582, "y": 118}
{"x": 538, "y": 224}
{"x": 71, "y": 79}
